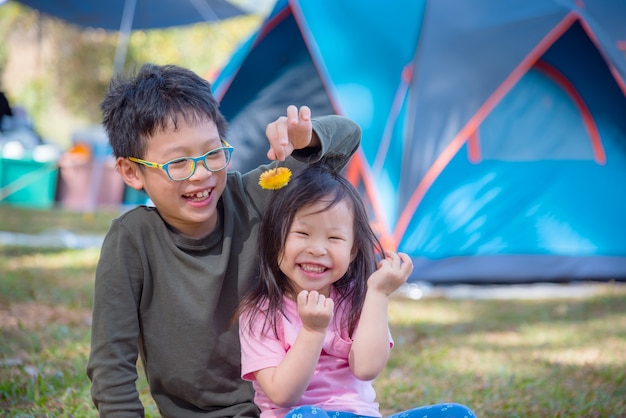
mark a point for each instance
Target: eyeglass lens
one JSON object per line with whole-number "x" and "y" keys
{"x": 184, "y": 168}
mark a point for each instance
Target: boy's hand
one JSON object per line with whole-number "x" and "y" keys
{"x": 393, "y": 271}
{"x": 290, "y": 132}
{"x": 315, "y": 310}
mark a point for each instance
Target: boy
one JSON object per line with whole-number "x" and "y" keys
{"x": 170, "y": 276}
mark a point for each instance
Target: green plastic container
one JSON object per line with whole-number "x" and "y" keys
{"x": 134, "y": 197}
{"x": 27, "y": 182}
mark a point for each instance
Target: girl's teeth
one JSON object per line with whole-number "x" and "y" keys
{"x": 313, "y": 269}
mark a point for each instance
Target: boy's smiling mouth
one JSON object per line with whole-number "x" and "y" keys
{"x": 198, "y": 196}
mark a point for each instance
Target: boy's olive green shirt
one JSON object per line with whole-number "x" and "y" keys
{"x": 170, "y": 299}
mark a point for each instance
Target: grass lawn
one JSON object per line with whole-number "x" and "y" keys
{"x": 503, "y": 358}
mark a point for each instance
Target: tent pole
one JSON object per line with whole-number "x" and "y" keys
{"x": 124, "y": 34}
{"x": 205, "y": 10}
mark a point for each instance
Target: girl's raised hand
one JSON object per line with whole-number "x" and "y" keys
{"x": 393, "y": 271}
{"x": 315, "y": 310}
{"x": 290, "y": 132}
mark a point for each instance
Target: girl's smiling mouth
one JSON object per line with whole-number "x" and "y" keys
{"x": 313, "y": 268}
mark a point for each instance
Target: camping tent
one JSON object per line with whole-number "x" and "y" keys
{"x": 494, "y": 135}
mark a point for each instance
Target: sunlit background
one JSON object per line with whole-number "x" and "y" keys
{"x": 57, "y": 72}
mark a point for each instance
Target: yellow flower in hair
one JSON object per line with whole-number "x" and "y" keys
{"x": 275, "y": 178}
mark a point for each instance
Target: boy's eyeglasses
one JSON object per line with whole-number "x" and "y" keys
{"x": 181, "y": 169}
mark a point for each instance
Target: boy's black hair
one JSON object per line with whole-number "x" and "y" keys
{"x": 314, "y": 184}
{"x": 155, "y": 99}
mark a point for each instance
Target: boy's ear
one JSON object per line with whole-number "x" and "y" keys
{"x": 130, "y": 173}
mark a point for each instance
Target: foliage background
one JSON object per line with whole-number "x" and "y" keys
{"x": 58, "y": 72}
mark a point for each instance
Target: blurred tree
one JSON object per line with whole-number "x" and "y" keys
{"x": 82, "y": 68}
{"x": 75, "y": 64}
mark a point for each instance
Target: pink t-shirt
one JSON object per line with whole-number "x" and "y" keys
{"x": 333, "y": 386}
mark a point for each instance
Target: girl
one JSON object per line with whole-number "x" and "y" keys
{"x": 314, "y": 331}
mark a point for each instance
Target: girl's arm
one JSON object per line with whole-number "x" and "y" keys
{"x": 370, "y": 347}
{"x": 285, "y": 383}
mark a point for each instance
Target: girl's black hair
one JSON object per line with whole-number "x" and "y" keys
{"x": 316, "y": 183}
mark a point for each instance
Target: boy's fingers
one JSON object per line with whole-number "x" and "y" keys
{"x": 292, "y": 114}
{"x": 279, "y": 138}
{"x": 282, "y": 132}
{"x": 305, "y": 113}
{"x": 278, "y": 131}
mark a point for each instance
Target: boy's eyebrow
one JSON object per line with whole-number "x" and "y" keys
{"x": 208, "y": 145}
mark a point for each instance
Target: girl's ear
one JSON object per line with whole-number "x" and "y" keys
{"x": 130, "y": 172}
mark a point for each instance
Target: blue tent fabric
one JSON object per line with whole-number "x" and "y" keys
{"x": 149, "y": 14}
{"x": 494, "y": 142}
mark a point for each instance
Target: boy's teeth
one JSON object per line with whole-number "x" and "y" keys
{"x": 200, "y": 194}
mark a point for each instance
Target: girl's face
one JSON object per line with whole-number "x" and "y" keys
{"x": 188, "y": 205}
{"x": 319, "y": 247}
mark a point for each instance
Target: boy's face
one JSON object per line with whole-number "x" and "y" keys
{"x": 188, "y": 205}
